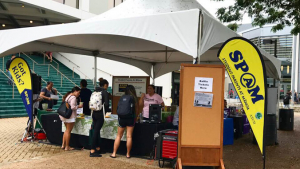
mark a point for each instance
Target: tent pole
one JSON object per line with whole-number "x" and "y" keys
{"x": 200, "y": 25}
{"x": 153, "y": 74}
{"x": 95, "y": 66}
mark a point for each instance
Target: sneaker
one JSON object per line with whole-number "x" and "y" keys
{"x": 99, "y": 152}
{"x": 95, "y": 154}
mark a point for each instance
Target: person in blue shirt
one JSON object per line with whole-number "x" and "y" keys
{"x": 85, "y": 96}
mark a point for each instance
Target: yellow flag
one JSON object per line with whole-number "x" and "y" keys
{"x": 245, "y": 66}
{"x": 20, "y": 72}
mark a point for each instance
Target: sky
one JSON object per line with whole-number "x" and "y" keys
{"x": 213, "y": 6}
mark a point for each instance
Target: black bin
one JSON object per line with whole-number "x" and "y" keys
{"x": 286, "y": 119}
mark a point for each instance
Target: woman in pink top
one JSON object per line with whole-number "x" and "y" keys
{"x": 150, "y": 98}
{"x": 70, "y": 98}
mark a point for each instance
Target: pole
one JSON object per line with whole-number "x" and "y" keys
{"x": 60, "y": 80}
{"x": 197, "y": 60}
{"x": 48, "y": 70}
{"x": 44, "y": 59}
{"x": 73, "y": 72}
{"x": 3, "y": 64}
{"x": 95, "y": 66}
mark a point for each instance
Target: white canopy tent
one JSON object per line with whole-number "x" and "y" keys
{"x": 153, "y": 35}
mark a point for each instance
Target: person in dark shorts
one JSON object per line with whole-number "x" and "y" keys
{"x": 127, "y": 123}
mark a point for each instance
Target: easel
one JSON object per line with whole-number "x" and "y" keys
{"x": 200, "y": 139}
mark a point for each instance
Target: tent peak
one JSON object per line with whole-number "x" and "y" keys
{"x": 134, "y": 8}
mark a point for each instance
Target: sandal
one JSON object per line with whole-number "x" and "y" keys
{"x": 128, "y": 157}
{"x": 69, "y": 149}
{"x": 112, "y": 156}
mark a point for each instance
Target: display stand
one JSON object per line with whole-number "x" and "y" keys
{"x": 200, "y": 140}
{"x": 119, "y": 84}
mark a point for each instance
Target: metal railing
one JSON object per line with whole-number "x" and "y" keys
{"x": 13, "y": 91}
{"x": 102, "y": 71}
{"x": 46, "y": 82}
{"x": 85, "y": 76}
{"x": 68, "y": 59}
{"x": 49, "y": 65}
{"x": 45, "y": 54}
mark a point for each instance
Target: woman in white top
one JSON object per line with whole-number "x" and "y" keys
{"x": 70, "y": 98}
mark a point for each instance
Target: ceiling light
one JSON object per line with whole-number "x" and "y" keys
{"x": 23, "y": 6}
{"x": 281, "y": 68}
{"x": 3, "y": 25}
{"x": 31, "y": 21}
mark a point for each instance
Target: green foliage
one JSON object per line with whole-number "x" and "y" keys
{"x": 279, "y": 12}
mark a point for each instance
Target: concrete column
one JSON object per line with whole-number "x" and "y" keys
{"x": 294, "y": 61}
{"x": 297, "y": 60}
{"x": 84, "y": 5}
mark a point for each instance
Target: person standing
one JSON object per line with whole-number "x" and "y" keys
{"x": 126, "y": 121}
{"x": 231, "y": 92}
{"x": 70, "y": 98}
{"x": 85, "y": 96}
{"x": 10, "y": 81}
{"x": 286, "y": 100}
{"x": 295, "y": 98}
{"x": 150, "y": 98}
{"x": 98, "y": 119}
{"x": 176, "y": 119}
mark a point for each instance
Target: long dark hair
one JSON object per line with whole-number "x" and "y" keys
{"x": 130, "y": 90}
{"x": 72, "y": 91}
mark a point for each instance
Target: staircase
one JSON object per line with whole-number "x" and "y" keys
{"x": 14, "y": 107}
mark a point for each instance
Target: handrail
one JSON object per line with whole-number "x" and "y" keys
{"x": 68, "y": 59}
{"x": 13, "y": 91}
{"x": 102, "y": 71}
{"x": 53, "y": 68}
{"x": 46, "y": 83}
{"x": 64, "y": 75}
{"x": 81, "y": 72}
{"x": 49, "y": 56}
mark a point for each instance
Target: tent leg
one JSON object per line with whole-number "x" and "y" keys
{"x": 153, "y": 74}
{"x": 95, "y": 66}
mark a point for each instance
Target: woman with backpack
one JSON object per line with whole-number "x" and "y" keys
{"x": 100, "y": 106}
{"x": 70, "y": 98}
{"x": 127, "y": 112}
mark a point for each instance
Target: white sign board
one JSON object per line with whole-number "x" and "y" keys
{"x": 120, "y": 84}
{"x": 203, "y": 84}
{"x": 203, "y": 100}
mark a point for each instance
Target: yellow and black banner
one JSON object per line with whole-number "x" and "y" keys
{"x": 20, "y": 72}
{"x": 245, "y": 66}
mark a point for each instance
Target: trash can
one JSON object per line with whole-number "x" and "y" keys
{"x": 286, "y": 119}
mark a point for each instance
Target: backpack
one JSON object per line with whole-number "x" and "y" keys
{"x": 96, "y": 101}
{"x": 125, "y": 106}
{"x": 286, "y": 99}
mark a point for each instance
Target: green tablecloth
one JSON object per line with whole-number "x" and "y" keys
{"x": 109, "y": 130}
{"x": 39, "y": 114}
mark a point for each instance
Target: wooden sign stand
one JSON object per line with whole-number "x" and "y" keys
{"x": 200, "y": 138}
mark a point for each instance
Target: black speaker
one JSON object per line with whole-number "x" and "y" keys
{"x": 36, "y": 82}
{"x": 155, "y": 113}
{"x": 158, "y": 90}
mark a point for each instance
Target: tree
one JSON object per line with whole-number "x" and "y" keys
{"x": 279, "y": 12}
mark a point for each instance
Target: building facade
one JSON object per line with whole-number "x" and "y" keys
{"x": 281, "y": 45}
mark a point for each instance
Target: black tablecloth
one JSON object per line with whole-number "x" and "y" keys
{"x": 143, "y": 136}
{"x": 238, "y": 125}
